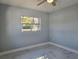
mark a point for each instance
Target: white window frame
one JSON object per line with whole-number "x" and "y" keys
{"x": 28, "y": 30}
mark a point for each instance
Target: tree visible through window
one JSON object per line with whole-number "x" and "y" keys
{"x": 30, "y": 23}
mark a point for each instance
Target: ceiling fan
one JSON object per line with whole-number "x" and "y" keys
{"x": 53, "y": 2}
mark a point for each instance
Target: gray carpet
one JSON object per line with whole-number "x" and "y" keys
{"x": 44, "y": 52}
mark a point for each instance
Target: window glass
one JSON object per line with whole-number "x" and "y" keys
{"x": 30, "y": 23}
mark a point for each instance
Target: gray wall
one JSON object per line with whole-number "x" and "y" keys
{"x": 10, "y": 28}
{"x": 63, "y": 27}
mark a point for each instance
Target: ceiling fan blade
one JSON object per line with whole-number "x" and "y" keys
{"x": 55, "y": 0}
{"x": 41, "y": 2}
{"x": 54, "y": 3}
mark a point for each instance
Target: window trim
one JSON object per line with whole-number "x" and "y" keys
{"x": 30, "y": 30}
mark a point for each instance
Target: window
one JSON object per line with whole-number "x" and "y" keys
{"x": 30, "y": 23}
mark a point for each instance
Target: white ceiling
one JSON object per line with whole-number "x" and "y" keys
{"x": 32, "y": 4}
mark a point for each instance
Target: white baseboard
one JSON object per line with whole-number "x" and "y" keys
{"x": 66, "y": 48}
{"x": 37, "y": 45}
{"x": 22, "y": 49}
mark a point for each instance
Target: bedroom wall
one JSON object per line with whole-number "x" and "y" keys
{"x": 63, "y": 27}
{"x": 10, "y": 28}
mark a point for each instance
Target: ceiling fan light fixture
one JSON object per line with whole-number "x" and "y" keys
{"x": 50, "y": 1}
